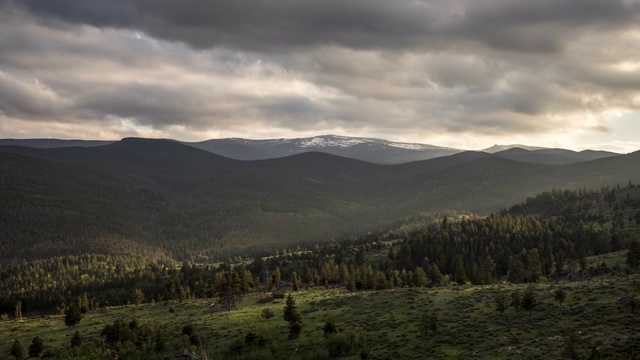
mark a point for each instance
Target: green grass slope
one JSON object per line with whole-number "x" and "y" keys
{"x": 387, "y": 324}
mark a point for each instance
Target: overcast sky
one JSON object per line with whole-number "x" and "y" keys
{"x": 459, "y": 73}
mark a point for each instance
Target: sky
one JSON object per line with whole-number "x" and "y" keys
{"x": 459, "y": 73}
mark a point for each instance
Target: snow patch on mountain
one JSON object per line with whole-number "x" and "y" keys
{"x": 331, "y": 141}
{"x": 497, "y": 148}
{"x": 417, "y": 147}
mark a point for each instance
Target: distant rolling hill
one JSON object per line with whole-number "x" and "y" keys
{"x": 199, "y": 205}
{"x": 53, "y": 143}
{"x": 553, "y": 156}
{"x": 498, "y": 148}
{"x": 366, "y": 149}
{"x": 372, "y": 150}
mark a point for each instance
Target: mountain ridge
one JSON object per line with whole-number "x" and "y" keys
{"x": 373, "y": 150}
{"x": 193, "y": 203}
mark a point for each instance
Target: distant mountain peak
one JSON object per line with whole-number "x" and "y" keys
{"x": 332, "y": 141}
{"x": 343, "y": 142}
{"x": 498, "y": 148}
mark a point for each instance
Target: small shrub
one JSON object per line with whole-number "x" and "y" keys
{"x": 187, "y": 329}
{"x": 256, "y": 339}
{"x": 295, "y": 329}
{"x": 236, "y": 347}
{"x": 330, "y": 327}
{"x": 267, "y": 313}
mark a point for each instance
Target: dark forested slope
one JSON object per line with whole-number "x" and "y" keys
{"x": 194, "y": 204}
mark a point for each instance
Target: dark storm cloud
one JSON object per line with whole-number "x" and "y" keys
{"x": 536, "y": 26}
{"x": 408, "y": 68}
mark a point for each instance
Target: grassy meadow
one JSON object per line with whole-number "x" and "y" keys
{"x": 375, "y": 324}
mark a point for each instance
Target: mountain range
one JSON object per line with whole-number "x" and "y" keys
{"x": 192, "y": 203}
{"x": 366, "y": 149}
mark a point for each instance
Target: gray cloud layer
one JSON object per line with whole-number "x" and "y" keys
{"x": 406, "y": 68}
{"x": 541, "y": 25}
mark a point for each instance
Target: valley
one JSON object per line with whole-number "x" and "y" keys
{"x": 160, "y": 248}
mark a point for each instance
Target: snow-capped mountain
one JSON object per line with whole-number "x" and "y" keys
{"x": 366, "y": 149}
{"x": 498, "y": 148}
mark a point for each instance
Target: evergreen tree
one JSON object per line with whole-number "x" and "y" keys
{"x": 633, "y": 254}
{"x": 228, "y": 298}
{"x": 137, "y": 297}
{"x": 36, "y": 347}
{"x": 560, "y": 294}
{"x": 529, "y": 301}
{"x": 330, "y": 327}
{"x": 295, "y": 329}
{"x": 293, "y": 317}
{"x": 571, "y": 342}
{"x": 582, "y": 259}
{"x": 461, "y": 274}
{"x": 275, "y": 279}
{"x": 516, "y": 299}
{"x": 291, "y": 314}
{"x": 560, "y": 259}
{"x": 16, "y": 349}
{"x": 294, "y": 281}
{"x": 435, "y": 275}
{"x": 76, "y": 339}
{"x": 83, "y": 303}
{"x": 72, "y": 315}
{"x": 501, "y": 302}
{"x": 420, "y": 277}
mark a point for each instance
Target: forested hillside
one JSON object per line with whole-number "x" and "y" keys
{"x": 436, "y": 250}
{"x": 190, "y": 204}
{"x": 556, "y": 237}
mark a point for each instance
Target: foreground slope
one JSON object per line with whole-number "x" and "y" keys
{"x": 382, "y": 324}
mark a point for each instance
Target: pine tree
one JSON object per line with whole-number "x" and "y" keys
{"x": 559, "y": 257}
{"x": 275, "y": 279}
{"x": 501, "y": 302}
{"x": 76, "y": 339}
{"x": 435, "y": 275}
{"x": 290, "y": 311}
{"x": 294, "y": 281}
{"x": 72, "y": 315}
{"x": 36, "y": 347}
{"x": 571, "y": 341}
{"x": 560, "y": 294}
{"x": 292, "y": 315}
{"x": 461, "y": 275}
{"x": 529, "y": 301}
{"x": 633, "y": 255}
{"x": 16, "y": 349}
{"x": 83, "y": 303}
{"x": 516, "y": 299}
{"x": 295, "y": 329}
{"x": 228, "y": 298}
{"x": 137, "y": 297}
